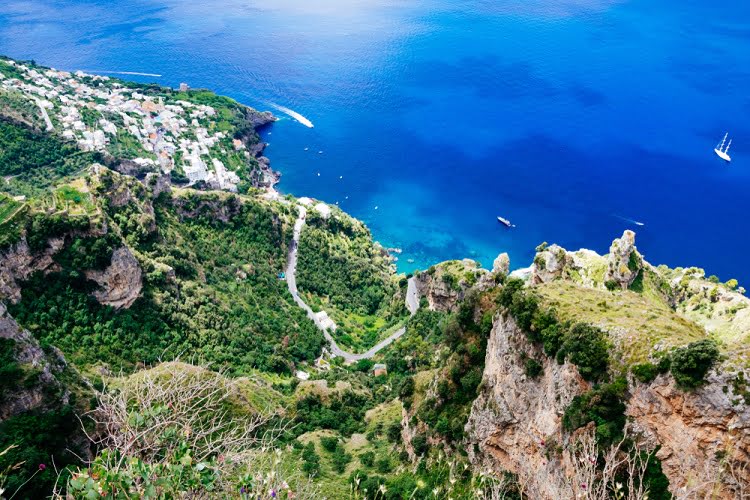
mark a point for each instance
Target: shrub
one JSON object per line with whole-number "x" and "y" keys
{"x": 420, "y": 445}
{"x": 340, "y": 459}
{"x": 604, "y": 406}
{"x": 645, "y": 372}
{"x": 394, "y": 432}
{"x": 310, "y": 460}
{"x": 367, "y": 458}
{"x": 407, "y": 388}
{"x": 691, "y": 363}
{"x": 586, "y": 347}
{"x": 329, "y": 443}
{"x": 533, "y": 368}
{"x": 383, "y": 465}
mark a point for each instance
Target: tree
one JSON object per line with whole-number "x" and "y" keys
{"x": 311, "y": 460}
{"x": 691, "y": 363}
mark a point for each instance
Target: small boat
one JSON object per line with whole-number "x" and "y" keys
{"x": 723, "y": 152}
{"x": 505, "y": 222}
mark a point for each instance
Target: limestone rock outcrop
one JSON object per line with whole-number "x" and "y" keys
{"x": 624, "y": 263}
{"x": 18, "y": 263}
{"x": 701, "y": 437}
{"x": 501, "y": 265}
{"x": 121, "y": 282}
{"x": 698, "y": 433}
{"x": 446, "y": 284}
{"x": 515, "y": 417}
{"x": 549, "y": 264}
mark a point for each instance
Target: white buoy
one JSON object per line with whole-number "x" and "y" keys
{"x": 318, "y": 174}
{"x": 320, "y": 152}
{"x": 306, "y": 149}
{"x": 341, "y": 176}
{"x": 376, "y": 207}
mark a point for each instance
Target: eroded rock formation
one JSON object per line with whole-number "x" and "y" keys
{"x": 702, "y": 435}
{"x": 18, "y": 263}
{"x": 623, "y": 262}
{"x": 516, "y": 418}
{"x": 121, "y": 282}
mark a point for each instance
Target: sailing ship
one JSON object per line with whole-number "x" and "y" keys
{"x": 723, "y": 152}
{"x": 505, "y": 222}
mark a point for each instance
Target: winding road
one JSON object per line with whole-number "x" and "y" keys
{"x": 412, "y": 301}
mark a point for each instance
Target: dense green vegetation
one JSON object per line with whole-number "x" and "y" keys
{"x": 197, "y": 311}
{"x": 35, "y": 160}
{"x": 38, "y": 438}
{"x": 457, "y": 384}
{"x": 344, "y": 413}
{"x": 337, "y": 259}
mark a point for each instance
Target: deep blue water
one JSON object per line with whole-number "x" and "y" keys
{"x": 569, "y": 117}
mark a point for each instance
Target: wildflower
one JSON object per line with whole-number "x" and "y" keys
{"x": 42, "y": 466}
{"x": 383, "y": 489}
{"x": 242, "y": 490}
{"x": 583, "y": 486}
{"x": 541, "y": 442}
{"x": 273, "y": 493}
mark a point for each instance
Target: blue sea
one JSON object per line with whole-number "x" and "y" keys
{"x": 574, "y": 119}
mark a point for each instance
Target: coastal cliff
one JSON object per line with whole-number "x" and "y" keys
{"x": 156, "y": 235}
{"x": 699, "y": 431}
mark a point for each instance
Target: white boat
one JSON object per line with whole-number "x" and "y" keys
{"x": 505, "y": 222}
{"x": 723, "y": 152}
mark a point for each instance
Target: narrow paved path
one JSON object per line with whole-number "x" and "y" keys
{"x": 412, "y": 301}
{"x": 45, "y": 115}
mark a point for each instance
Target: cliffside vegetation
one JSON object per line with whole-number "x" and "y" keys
{"x": 342, "y": 272}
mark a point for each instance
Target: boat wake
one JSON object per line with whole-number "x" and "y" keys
{"x": 120, "y": 73}
{"x": 304, "y": 121}
{"x": 631, "y": 221}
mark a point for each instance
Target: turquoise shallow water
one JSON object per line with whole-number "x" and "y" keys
{"x": 572, "y": 118}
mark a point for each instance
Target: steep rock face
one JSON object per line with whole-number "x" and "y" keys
{"x": 623, "y": 262}
{"x": 258, "y": 119}
{"x": 121, "y": 282}
{"x": 501, "y": 265}
{"x": 41, "y": 370}
{"x": 515, "y": 417}
{"x": 446, "y": 284}
{"x": 19, "y": 262}
{"x": 699, "y": 433}
{"x": 549, "y": 264}
{"x": 702, "y": 436}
